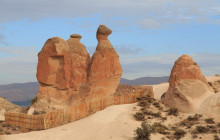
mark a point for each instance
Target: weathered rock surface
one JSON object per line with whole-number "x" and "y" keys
{"x": 68, "y": 76}
{"x": 130, "y": 89}
{"x": 80, "y": 59}
{"x": 105, "y": 70}
{"x": 187, "y": 86}
{"x": 8, "y": 106}
{"x": 211, "y": 106}
{"x": 215, "y": 86}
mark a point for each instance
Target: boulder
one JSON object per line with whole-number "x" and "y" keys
{"x": 187, "y": 86}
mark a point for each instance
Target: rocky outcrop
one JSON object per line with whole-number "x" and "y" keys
{"x": 6, "y": 106}
{"x": 215, "y": 86}
{"x": 80, "y": 59}
{"x": 187, "y": 86}
{"x": 68, "y": 76}
{"x": 105, "y": 70}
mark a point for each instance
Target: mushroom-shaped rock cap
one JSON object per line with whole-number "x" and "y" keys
{"x": 103, "y": 30}
{"x": 75, "y": 36}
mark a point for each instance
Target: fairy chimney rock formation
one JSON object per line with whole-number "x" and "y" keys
{"x": 54, "y": 64}
{"x": 67, "y": 75}
{"x": 80, "y": 59}
{"x": 105, "y": 70}
{"x": 187, "y": 86}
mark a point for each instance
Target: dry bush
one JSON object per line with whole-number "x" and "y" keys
{"x": 144, "y": 131}
{"x": 160, "y": 128}
{"x": 139, "y": 116}
{"x": 210, "y": 120}
{"x": 179, "y": 133}
{"x": 173, "y": 111}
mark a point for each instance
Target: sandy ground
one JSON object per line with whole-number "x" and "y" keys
{"x": 113, "y": 123}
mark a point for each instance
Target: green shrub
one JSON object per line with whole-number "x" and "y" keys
{"x": 218, "y": 125}
{"x": 160, "y": 128}
{"x": 173, "y": 111}
{"x": 142, "y": 104}
{"x": 36, "y": 112}
{"x": 157, "y": 115}
{"x": 34, "y": 100}
{"x": 202, "y": 129}
{"x": 8, "y": 133}
{"x": 194, "y": 118}
{"x": 139, "y": 116}
{"x": 194, "y": 136}
{"x": 144, "y": 131}
{"x": 179, "y": 133}
{"x": 209, "y": 120}
{"x": 216, "y": 137}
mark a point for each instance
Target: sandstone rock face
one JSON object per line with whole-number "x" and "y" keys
{"x": 80, "y": 61}
{"x": 215, "y": 86}
{"x": 105, "y": 70}
{"x": 210, "y": 106}
{"x": 187, "y": 86}
{"x": 68, "y": 76}
{"x": 54, "y": 63}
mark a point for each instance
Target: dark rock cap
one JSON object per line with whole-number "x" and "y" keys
{"x": 104, "y": 30}
{"x": 75, "y": 36}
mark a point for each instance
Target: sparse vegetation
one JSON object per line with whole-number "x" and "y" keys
{"x": 160, "y": 128}
{"x": 8, "y": 133}
{"x": 179, "y": 133}
{"x": 216, "y": 137}
{"x": 194, "y": 136}
{"x": 201, "y": 129}
{"x": 144, "y": 131}
{"x": 196, "y": 124}
{"x": 157, "y": 115}
{"x": 173, "y": 111}
{"x": 218, "y": 75}
{"x": 218, "y": 125}
{"x": 209, "y": 120}
{"x": 34, "y": 100}
{"x": 139, "y": 116}
{"x": 36, "y": 112}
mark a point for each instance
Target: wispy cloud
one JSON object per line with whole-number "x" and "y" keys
{"x": 161, "y": 65}
{"x": 144, "y": 13}
{"x": 18, "y": 64}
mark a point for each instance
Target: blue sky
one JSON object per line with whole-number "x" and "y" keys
{"x": 149, "y": 35}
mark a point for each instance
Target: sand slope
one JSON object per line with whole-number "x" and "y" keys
{"x": 115, "y": 122}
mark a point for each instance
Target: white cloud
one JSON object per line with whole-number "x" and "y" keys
{"x": 18, "y": 64}
{"x": 161, "y": 65}
{"x": 143, "y": 13}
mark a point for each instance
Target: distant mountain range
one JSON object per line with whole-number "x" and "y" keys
{"x": 19, "y": 93}
{"x": 22, "y": 93}
{"x": 145, "y": 80}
